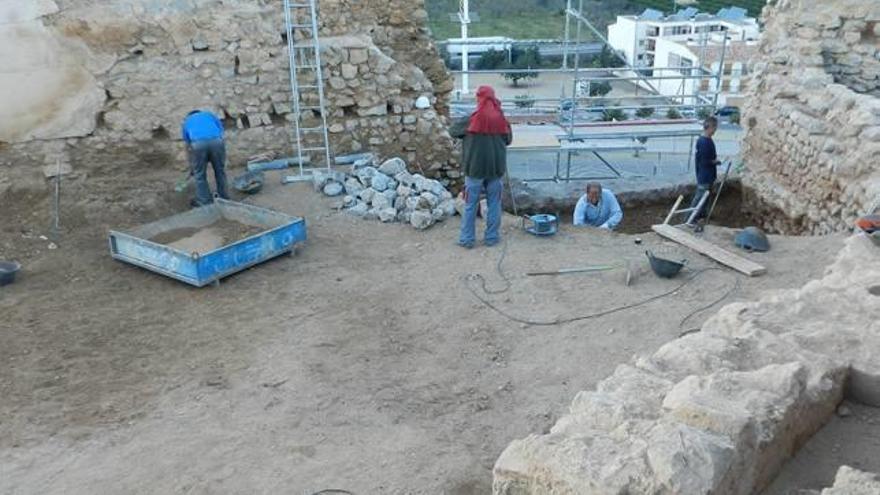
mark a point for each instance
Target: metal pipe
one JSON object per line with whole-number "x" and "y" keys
{"x": 721, "y": 68}
{"x": 545, "y": 71}
{"x": 587, "y": 70}
{"x": 567, "y": 35}
{"x": 465, "y": 17}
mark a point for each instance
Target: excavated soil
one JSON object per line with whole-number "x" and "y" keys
{"x": 363, "y": 363}
{"x": 205, "y": 239}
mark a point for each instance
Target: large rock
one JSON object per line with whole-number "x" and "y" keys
{"x": 49, "y": 84}
{"x": 359, "y": 210}
{"x": 321, "y": 178}
{"x": 380, "y": 202}
{"x": 421, "y": 219}
{"x": 430, "y": 199}
{"x": 404, "y": 191}
{"x": 365, "y": 175}
{"x": 387, "y": 215}
{"x": 393, "y": 166}
{"x": 406, "y": 179}
{"x": 448, "y": 207}
{"x": 429, "y": 185}
{"x": 333, "y": 189}
{"x": 850, "y": 481}
{"x": 353, "y": 187}
{"x": 366, "y": 195}
{"x": 380, "y": 181}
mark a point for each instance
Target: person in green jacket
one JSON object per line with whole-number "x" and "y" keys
{"x": 486, "y": 135}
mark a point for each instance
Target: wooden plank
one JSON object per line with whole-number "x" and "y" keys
{"x": 706, "y": 248}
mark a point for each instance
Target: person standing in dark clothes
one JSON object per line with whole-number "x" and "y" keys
{"x": 486, "y": 135}
{"x": 706, "y": 163}
{"x": 202, "y": 132}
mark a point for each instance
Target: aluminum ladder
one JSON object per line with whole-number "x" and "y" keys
{"x": 306, "y": 86}
{"x": 695, "y": 210}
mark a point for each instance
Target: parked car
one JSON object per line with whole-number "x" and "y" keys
{"x": 727, "y": 111}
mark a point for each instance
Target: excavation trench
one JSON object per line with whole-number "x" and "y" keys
{"x": 641, "y": 209}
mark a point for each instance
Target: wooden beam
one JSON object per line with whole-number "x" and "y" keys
{"x": 706, "y": 248}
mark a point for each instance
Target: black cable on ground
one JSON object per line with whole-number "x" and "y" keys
{"x": 724, "y": 296}
{"x": 499, "y": 270}
{"x": 560, "y": 321}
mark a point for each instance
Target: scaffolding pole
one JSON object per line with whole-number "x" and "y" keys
{"x": 464, "y": 14}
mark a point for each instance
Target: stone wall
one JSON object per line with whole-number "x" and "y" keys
{"x": 812, "y": 118}
{"x": 717, "y": 412}
{"x": 95, "y": 82}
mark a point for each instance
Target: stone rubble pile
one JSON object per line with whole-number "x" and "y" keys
{"x": 388, "y": 192}
{"x": 720, "y": 411}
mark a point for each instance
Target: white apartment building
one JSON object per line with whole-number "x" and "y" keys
{"x": 664, "y": 46}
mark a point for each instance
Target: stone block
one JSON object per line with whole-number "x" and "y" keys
{"x": 737, "y": 399}
{"x": 358, "y": 56}
{"x": 349, "y": 71}
{"x": 850, "y": 481}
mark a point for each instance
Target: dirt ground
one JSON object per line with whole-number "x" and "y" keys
{"x": 363, "y": 363}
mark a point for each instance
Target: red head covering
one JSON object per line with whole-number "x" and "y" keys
{"x": 488, "y": 119}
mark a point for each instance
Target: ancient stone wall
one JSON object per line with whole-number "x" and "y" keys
{"x": 812, "y": 117}
{"x": 96, "y": 82}
{"x": 719, "y": 411}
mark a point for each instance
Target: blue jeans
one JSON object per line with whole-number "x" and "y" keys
{"x": 472, "y": 189}
{"x": 202, "y": 152}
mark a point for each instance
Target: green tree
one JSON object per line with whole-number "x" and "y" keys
{"x": 600, "y": 88}
{"x": 516, "y": 77}
{"x": 644, "y": 112}
{"x": 525, "y": 60}
{"x": 608, "y": 58}
{"x": 528, "y": 58}
{"x": 704, "y": 113}
{"x": 673, "y": 114}
{"x": 491, "y": 60}
{"x": 613, "y": 114}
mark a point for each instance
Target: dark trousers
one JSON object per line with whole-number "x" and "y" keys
{"x": 698, "y": 194}
{"x": 202, "y": 152}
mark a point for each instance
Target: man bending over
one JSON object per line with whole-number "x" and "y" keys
{"x": 598, "y": 208}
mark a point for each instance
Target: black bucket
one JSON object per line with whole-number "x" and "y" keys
{"x": 665, "y": 268}
{"x": 8, "y": 269}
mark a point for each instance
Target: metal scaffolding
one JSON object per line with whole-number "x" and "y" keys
{"x": 593, "y": 139}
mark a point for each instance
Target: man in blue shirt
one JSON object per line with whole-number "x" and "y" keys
{"x": 706, "y": 163}
{"x": 598, "y": 208}
{"x": 203, "y": 134}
